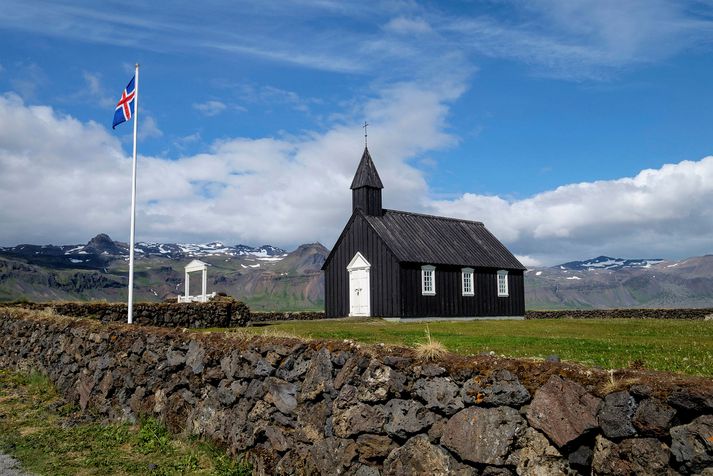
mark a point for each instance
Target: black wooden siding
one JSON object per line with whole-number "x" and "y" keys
{"x": 383, "y": 275}
{"x": 449, "y": 300}
{"x": 368, "y": 199}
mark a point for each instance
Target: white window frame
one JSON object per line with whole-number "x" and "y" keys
{"x": 467, "y": 272}
{"x": 502, "y": 278}
{"x": 425, "y": 270}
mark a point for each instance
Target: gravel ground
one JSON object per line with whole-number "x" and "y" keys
{"x": 10, "y": 467}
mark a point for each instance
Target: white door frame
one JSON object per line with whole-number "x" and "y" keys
{"x": 360, "y": 265}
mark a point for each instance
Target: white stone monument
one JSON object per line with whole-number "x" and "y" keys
{"x": 196, "y": 265}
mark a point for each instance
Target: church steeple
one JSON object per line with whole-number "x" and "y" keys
{"x": 366, "y": 187}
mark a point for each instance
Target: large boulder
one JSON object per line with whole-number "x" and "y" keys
{"x": 692, "y": 444}
{"x": 333, "y": 455}
{"x": 419, "y": 456}
{"x": 615, "y": 415}
{"x": 690, "y": 400}
{"x": 406, "y": 417}
{"x": 352, "y": 417}
{"x": 195, "y": 357}
{"x": 631, "y": 456}
{"x": 374, "y": 447}
{"x": 483, "y": 435}
{"x": 311, "y": 421}
{"x": 501, "y": 388}
{"x": 653, "y": 417}
{"x": 563, "y": 410}
{"x": 281, "y": 394}
{"x": 379, "y": 382}
{"x": 440, "y": 394}
{"x": 318, "y": 378}
{"x": 359, "y": 418}
{"x": 538, "y": 457}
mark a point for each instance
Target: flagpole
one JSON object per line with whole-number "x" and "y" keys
{"x": 133, "y": 201}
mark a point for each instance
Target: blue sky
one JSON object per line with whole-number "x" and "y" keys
{"x": 551, "y": 121}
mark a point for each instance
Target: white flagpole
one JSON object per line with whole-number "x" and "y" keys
{"x": 133, "y": 201}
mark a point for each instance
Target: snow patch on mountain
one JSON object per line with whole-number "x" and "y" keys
{"x": 606, "y": 262}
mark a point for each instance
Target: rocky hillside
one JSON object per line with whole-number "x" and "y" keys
{"x": 618, "y": 283}
{"x": 270, "y": 278}
{"x": 265, "y": 277}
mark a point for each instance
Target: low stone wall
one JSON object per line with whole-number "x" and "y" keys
{"x": 334, "y": 408}
{"x": 698, "y": 314}
{"x": 226, "y": 313}
{"x": 257, "y": 317}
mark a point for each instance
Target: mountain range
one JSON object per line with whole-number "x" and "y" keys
{"x": 270, "y": 278}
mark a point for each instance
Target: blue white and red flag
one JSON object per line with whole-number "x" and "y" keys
{"x": 125, "y": 106}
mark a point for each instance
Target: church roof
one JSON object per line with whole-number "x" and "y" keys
{"x": 366, "y": 174}
{"x": 429, "y": 239}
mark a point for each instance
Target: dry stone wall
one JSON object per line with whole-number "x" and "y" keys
{"x": 222, "y": 313}
{"x": 697, "y": 314}
{"x": 257, "y": 317}
{"x": 334, "y": 408}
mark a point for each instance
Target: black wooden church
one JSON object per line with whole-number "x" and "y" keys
{"x": 389, "y": 263}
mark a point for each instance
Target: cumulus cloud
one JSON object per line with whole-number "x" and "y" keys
{"x": 62, "y": 181}
{"x": 57, "y": 174}
{"x": 27, "y": 79}
{"x": 148, "y": 127}
{"x": 210, "y": 108}
{"x": 93, "y": 90}
{"x": 65, "y": 180}
{"x": 661, "y": 212}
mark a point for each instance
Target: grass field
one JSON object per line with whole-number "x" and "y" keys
{"x": 670, "y": 345}
{"x": 48, "y": 438}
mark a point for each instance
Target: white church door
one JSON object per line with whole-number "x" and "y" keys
{"x": 359, "y": 291}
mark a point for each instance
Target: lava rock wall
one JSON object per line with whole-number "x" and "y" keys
{"x": 695, "y": 314}
{"x": 226, "y": 313}
{"x": 256, "y": 317}
{"x": 299, "y": 407}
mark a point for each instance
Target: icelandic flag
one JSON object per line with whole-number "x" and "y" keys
{"x": 125, "y": 106}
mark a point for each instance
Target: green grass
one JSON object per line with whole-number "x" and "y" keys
{"x": 671, "y": 345}
{"x": 49, "y": 437}
{"x": 281, "y": 302}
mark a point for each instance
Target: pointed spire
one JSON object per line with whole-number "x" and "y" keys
{"x": 366, "y": 174}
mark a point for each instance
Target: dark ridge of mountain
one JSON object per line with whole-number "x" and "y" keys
{"x": 102, "y": 244}
{"x": 102, "y": 249}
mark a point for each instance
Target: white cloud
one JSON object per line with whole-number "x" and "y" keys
{"x": 210, "y": 108}
{"x": 66, "y": 181}
{"x": 529, "y": 261}
{"x": 94, "y": 90}
{"x": 62, "y": 181}
{"x": 407, "y": 26}
{"x": 148, "y": 127}
{"x": 57, "y": 175}
{"x": 575, "y": 39}
{"x": 660, "y": 212}
{"x": 27, "y": 79}
{"x": 182, "y": 142}
{"x": 584, "y": 39}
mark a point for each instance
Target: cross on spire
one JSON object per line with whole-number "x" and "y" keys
{"x": 365, "y": 134}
